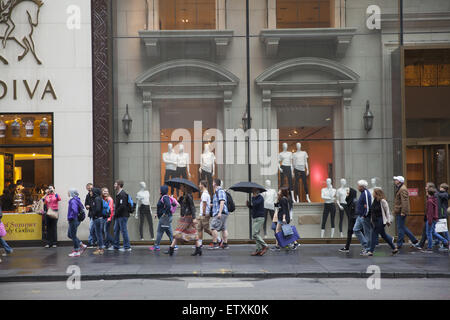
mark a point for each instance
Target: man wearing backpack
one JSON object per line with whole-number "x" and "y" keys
{"x": 121, "y": 215}
{"x": 219, "y": 215}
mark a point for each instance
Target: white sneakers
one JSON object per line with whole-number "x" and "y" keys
{"x": 74, "y": 254}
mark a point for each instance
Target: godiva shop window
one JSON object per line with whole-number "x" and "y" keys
{"x": 26, "y": 160}
{"x": 187, "y": 14}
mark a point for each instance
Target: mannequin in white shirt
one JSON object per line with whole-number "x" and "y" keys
{"x": 143, "y": 210}
{"x": 301, "y": 170}
{"x": 286, "y": 169}
{"x": 329, "y": 196}
{"x": 170, "y": 158}
{"x": 207, "y": 167}
{"x": 270, "y": 197}
{"x": 341, "y": 194}
{"x": 183, "y": 163}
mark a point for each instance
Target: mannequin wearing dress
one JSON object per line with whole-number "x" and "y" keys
{"x": 170, "y": 158}
{"x": 341, "y": 194}
{"x": 143, "y": 210}
{"x": 270, "y": 197}
{"x": 285, "y": 167}
{"x": 301, "y": 170}
{"x": 207, "y": 167}
{"x": 329, "y": 197}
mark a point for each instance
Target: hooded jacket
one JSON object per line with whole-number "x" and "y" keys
{"x": 74, "y": 205}
{"x": 163, "y": 206}
{"x": 96, "y": 204}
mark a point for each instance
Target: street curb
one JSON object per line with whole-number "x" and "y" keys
{"x": 231, "y": 274}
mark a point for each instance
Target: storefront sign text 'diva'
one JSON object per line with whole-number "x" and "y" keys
{"x": 16, "y": 88}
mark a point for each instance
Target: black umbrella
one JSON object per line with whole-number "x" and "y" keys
{"x": 177, "y": 182}
{"x": 247, "y": 187}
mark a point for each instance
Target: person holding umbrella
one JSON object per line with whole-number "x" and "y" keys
{"x": 258, "y": 212}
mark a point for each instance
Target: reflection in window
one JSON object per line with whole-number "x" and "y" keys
{"x": 26, "y": 159}
{"x": 427, "y": 68}
{"x": 187, "y": 14}
{"x": 304, "y": 13}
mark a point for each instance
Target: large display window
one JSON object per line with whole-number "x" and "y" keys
{"x": 26, "y": 160}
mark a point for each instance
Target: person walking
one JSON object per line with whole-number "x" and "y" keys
{"x": 284, "y": 206}
{"x": 258, "y": 217}
{"x": 92, "y": 239}
{"x": 381, "y": 216}
{"x": 97, "y": 217}
{"x": 351, "y": 217}
{"x": 108, "y": 238}
{"x": 163, "y": 208}
{"x": 74, "y": 208}
{"x": 205, "y": 212}
{"x": 401, "y": 211}
{"x": 51, "y": 201}
{"x": 442, "y": 196}
{"x": 432, "y": 218}
{"x": 363, "y": 217}
{"x": 219, "y": 216}
{"x": 421, "y": 244}
{"x": 186, "y": 229}
{"x": 122, "y": 213}
{"x": 8, "y": 249}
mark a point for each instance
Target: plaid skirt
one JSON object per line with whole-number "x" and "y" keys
{"x": 186, "y": 229}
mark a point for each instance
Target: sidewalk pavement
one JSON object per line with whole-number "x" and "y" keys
{"x": 308, "y": 261}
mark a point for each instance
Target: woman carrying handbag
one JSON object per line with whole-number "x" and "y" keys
{"x": 51, "y": 201}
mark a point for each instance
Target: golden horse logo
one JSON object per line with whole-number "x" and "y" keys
{"x": 9, "y": 9}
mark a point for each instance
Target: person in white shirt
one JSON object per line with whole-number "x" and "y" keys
{"x": 270, "y": 197}
{"x": 205, "y": 209}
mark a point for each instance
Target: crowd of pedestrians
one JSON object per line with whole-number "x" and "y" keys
{"x": 368, "y": 215}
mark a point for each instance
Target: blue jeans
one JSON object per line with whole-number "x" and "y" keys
{"x": 99, "y": 225}
{"x": 363, "y": 224}
{"x": 5, "y": 245}
{"x": 431, "y": 232}
{"x": 92, "y": 237}
{"x": 160, "y": 231}
{"x": 72, "y": 234}
{"x": 120, "y": 226}
{"x": 378, "y": 229}
{"x": 402, "y": 230}
{"x": 109, "y": 240}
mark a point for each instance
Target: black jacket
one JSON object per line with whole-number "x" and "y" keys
{"x": 284, "y": 209}
{"x": 187, "y": 207}
{"x": 121, "y": 205}
{"x": 88, "y": 202}
{"x": 351, "y": 202}
{"x": 96, "y": 204}
{"x": 257, "y": 207}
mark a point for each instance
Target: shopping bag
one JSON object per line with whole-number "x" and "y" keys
{"x": 285, "y": 241}
{"x": 287, "y": 230}
{"x": 441, "y": 225}
{"x": 2, "y": 230}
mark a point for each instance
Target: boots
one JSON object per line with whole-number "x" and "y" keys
{"x": 198, "y": 251}
{"x": 171, "y": 250}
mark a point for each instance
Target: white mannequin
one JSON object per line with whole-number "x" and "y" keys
{"x": 285, "y": 157}
{"x": 270, "y": 197}
{"x": 373, "y": 182}
{"x": 142, "y": 197}
{"x": 183, "y": 159}
{"x": 329, "y": 196}
{"x": 341, "y": 194}
{"x": 170, "y": 158}
{"x": 207, "y": 161}
{"x": 300, "y": 162}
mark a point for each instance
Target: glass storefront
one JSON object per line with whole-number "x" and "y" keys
{"x": 196, "y": 73}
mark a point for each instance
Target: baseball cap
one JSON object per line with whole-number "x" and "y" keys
{"x": 400, "y": 178}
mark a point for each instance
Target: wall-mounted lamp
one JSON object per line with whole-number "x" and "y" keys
{"x": 368, "y": 118}
{"x": 245, "y": 121}
{"x": 127, "y": 122}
